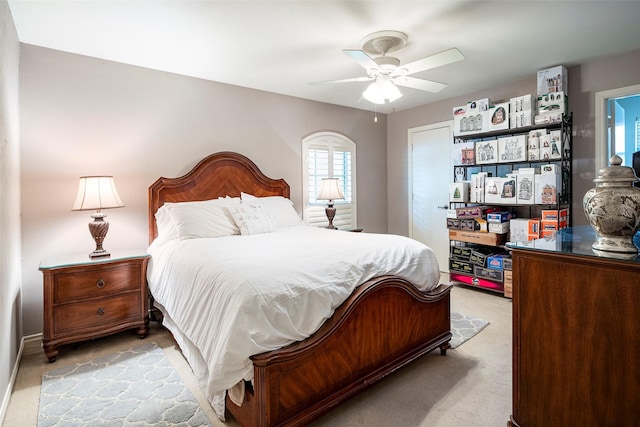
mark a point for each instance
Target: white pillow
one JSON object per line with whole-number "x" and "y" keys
{"x": 251, "y": 219}
{"x": 279, "y": 209}
{"x": 166, "y": 228}
{"x": 210, "y": 218}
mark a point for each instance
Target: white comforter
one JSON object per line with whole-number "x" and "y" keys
{"x": 228, "y": 298}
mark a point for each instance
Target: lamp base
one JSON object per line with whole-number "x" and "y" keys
{"x": 98, "y": 229}
{"x": 331, "y": 213}
{"x": 99, "y": 254}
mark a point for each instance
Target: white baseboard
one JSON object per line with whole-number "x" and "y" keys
{"x": 28, "y": 345}
{"x": 32, "y": 344}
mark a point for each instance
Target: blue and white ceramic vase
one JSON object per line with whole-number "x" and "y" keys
{"x": 613, "y": 208}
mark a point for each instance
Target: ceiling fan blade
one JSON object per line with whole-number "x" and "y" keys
{"x": 437, "y": 60}
{"x": 362, "y": 58}
{"x": 426, "y": 85}
{"x": 355, "y": 79}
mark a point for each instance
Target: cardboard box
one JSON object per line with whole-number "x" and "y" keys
{"x": 499, "y": 227}
{"x": 489, "y": 274}
{"x": 533, "y": 226}
{"x": 480, "y": 255}
{"x": 470, "y": 123}
{"x": 474, "y": 211}
{"x": 499, "y": 116}
{"x": 547, "y": 118}
{"x": 554, "y": 214}
{"x": 520, "y": 119}
{"x": 554, "y": 102}
{"x": 489, "y": 239}
{"x": 521, "y": 103}
{"x": 547, "y": 189}
{"x": 501, "y": 190}
{"x": 461, "y": 252}
{"x": 496, "y": 262}
{"x": 525, "y": 186}
{"x": 552, "y": 79}
{"x": 459, "y": 192}
{"x": 550, "y": 168}
{"x": 507, "y": 264}
{"x": 468, "y": 224}
{"x": 458, "y": 155}
{"x": 453, "y": 223}
{"x": 486, "y": 151}
{"x": 500, "y": 216}
{"x": 460, "y": 266}
{"x": 518, "y": 230}
{"x": 481, "y": 225}
{"x": 508, "y": 284}
{"x": 512, "y": 148}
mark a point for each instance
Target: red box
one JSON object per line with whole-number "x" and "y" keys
{"x": 554, "y": 215}
{"x": 534, "y": 226}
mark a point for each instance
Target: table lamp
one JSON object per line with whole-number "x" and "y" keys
{"x": 330, "y": 190}
{"x": 97, "y": 192}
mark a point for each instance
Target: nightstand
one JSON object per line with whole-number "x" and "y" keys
{"x": 88, "y": 298}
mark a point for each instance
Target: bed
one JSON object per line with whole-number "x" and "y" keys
{"x": 361, "y": 333}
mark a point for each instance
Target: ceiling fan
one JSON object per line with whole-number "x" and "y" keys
{"x": 386, "y": 71}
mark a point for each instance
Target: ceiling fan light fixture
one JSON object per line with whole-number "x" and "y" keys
{"x": 382, "y": 90}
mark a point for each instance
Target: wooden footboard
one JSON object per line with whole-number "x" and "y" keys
{"x": 384, "y": 325}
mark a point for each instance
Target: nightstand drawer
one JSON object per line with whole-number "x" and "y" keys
{"x": 92, "y": 283}
{"x": 99, "y": 313}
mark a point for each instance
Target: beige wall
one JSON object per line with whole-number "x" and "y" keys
{"x": 584, "y": 81}
{"x": 10, "y": 277}
{"x": 83, "y": 116}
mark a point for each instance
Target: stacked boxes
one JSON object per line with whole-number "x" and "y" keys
{"x": 553, "y": 220}
{"x": 498, "y": 222}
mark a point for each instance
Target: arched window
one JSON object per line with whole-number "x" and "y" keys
{"x": 329, "y": 155}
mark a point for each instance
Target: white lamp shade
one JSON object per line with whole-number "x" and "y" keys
{"x": 97, "y": 192}
{"x": 330, "y": 190}
{"x": 381, "y": 90}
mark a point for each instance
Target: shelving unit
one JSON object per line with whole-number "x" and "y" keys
{"x": 485, "y": 241}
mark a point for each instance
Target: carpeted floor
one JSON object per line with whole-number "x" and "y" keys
{"x": 470, "y": 386}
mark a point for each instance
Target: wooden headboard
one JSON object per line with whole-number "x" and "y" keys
{"x": 218, "y": 175}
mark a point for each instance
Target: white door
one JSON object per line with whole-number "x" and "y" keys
{"x": 429, "y": 177}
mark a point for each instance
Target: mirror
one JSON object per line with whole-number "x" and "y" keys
{"x": 617, "y": 115}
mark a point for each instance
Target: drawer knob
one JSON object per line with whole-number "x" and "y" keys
{"x": 100, "y": 283}
{"x": 100, "y": 311}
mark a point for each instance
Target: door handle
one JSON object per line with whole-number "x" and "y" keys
{"x": 443, "y": 207}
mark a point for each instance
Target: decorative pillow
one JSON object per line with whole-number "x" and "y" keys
{"x": 279, "y": 209}
{"x": 210, "y": 218}
{"x": 251, "y": 219}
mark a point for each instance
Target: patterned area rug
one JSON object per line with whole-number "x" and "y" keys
{"x": 464, "y": 328}
{"x": 138, "y": 387}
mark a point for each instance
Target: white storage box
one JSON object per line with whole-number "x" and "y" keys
{"x": 500, "y": 190}
{"x": 499, "y": 116}
{"x": 459, "y": 192}
{"x": 525, "y": 187}
{"x": 552, "y": 79}
{"x": 512, "y": 148}
{"x": 547, "y": 189}
{"x": 487, "y": 151}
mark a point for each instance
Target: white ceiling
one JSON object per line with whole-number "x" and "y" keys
{"x": 281, "y": 46}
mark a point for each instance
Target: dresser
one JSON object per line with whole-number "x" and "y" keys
{"x": 576, "y": 333}
{"x": 88, "y": 298}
